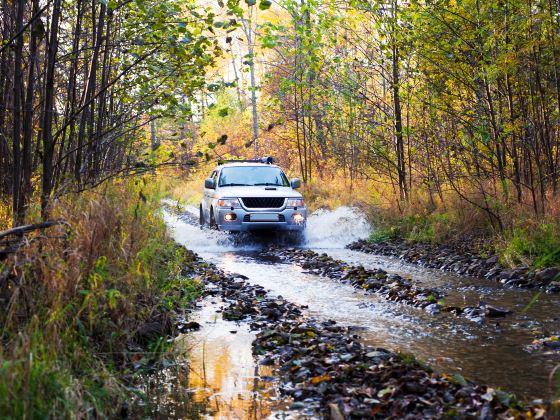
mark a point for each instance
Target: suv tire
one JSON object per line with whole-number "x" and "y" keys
{"x": 201, "y": 220}
{"x": 213, "y": 224}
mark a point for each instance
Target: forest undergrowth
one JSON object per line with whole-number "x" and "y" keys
{"x": 81, "y": 301}
{"x": 523, "y": 239}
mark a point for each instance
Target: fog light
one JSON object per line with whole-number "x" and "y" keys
{"x": 298, "y": 218}
{"x": 230, "y": 216}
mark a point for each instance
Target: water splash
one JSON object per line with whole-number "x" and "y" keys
{"x": 335, "y": 229}
{"x": 325, "y": 229}
{"x": 185, "y": 230}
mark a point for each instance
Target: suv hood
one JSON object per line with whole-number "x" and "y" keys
{"x": 258, "y": 191}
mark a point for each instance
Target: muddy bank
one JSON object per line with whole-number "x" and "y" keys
{"x": 325, "y": 370}
{"x": 389, "y": 286}
{"x": 461, "y": 259}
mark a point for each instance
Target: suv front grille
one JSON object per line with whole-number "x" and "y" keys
{"x": 263, "y": 202}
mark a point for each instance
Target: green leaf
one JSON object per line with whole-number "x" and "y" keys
{"x": 265, "y": 4}
{"x": 223, "y": 112}
{"x": 459, "y": 379}
{"x": 268, "y": 41}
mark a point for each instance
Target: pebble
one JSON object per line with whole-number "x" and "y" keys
{"x": 460, "y": 259}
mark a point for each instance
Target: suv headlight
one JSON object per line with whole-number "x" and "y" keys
{"x": 229, "y": 202}
{"x": 295, "y": 202}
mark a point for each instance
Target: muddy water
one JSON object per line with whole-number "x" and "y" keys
{"x": 492, "y": 352}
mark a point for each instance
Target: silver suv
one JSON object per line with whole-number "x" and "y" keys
{"x": 252, "y": 195}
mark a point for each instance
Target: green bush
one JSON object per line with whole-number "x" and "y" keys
{"x": 383, "y": 234}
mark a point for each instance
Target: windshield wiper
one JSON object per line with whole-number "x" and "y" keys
{"x": 268, "y": 184}
{"x": 232, "y": 184}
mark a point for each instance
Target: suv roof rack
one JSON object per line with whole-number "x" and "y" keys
{"x": 267, "y": 159}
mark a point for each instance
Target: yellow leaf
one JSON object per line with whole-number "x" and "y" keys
{"x": 318, "y": 379}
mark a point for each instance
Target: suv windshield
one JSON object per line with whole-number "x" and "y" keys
{"x": 252, "y": 175}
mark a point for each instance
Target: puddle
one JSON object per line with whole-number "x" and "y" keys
{"x": 216, "y": 376}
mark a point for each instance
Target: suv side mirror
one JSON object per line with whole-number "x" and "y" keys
{"x": 295, "y": 183}
{"x": 209, "y": 183}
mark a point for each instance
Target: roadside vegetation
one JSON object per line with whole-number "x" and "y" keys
{"x": 82, "y": 301}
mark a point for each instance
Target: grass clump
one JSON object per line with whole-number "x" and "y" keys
{"x": 83, "y": 297}
{"x": 383, "y": 234}
{"x": 537, "y": 246}
{"x": 432, "y": 228}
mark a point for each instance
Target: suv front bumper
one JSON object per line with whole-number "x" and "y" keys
{"x": 243, "y": 221}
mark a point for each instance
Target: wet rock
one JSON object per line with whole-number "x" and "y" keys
{"x": 460, "y": 257}
{"x": 547, "y": 275}
{"x": 552, "y": 344}
{"x": 433, "y": 308}
{"x": 189, "y": 326}
{"x": 297, "y": 406}
{"x": 553, "y": 286}
{"x": 154, "y": 329}
{"x": 493, "y": 273}
{"x": 495, "y": 312}
{"x": 492, "y": 260}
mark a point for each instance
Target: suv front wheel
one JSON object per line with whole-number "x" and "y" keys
{"x": 201, "y": 220}
{"x": 213, "y": 224}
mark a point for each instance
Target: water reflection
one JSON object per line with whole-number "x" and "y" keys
{"x": 213, "y": 376}
{"x": 223, "y": 372}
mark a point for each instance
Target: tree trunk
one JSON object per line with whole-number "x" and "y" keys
{"x": 48, "y": 114}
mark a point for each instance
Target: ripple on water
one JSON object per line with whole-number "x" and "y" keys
{"x": 492, "y": 353}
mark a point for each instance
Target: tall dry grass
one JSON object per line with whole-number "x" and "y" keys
{"x": 81, "y": 295}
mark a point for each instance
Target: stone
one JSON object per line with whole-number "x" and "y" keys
{"x": 553, "y": 286}
{"x": 492, "y": 260}
{"x": 495, "y": 312}
{"x": 547, "y": 275}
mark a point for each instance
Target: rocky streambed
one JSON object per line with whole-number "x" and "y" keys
{"x": 392, "y": 287}
{"x": 324, "y": 370}
{"x": 461, "y": 259}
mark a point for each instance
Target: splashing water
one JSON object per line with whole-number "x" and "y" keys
{"x": 325, "y": 229}
{"x": 335, "y": 229}
{"x": 186, "y": 231}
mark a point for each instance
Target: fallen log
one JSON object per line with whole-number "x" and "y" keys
{"x": 12, "y": 239}
{"x": 21, "y": 230}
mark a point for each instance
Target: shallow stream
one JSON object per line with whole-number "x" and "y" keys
{"x": 493, "y": 352}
